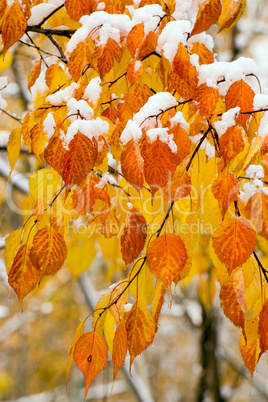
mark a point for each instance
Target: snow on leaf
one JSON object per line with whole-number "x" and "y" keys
{"x": 182, "y": 141}
{"x": 257, "y": 212}
{"x": 208, "y": 15}
{"x": 132, "y": 165}
{"x": 263, "y": 328}
{"x": 134, "y": 236}
{"x": 234, "y": 241}
{"x": 48, "y": 251}
{"x": 23, "y": 275}
{"x": 225, "y": 189}
{"x": 231, "y": 12}
{"x": 206, "y": 98}
{"x": 119, "y": 348}
{"x": 166, "y": 258}
{"x": 78, "y": 333}
{"x": 90, "y": 356}
{"x": 77, "y": 8}
{"x": 242, "y": 95}
{"x": 141, "y": 328}
{"x": 134, "y": 71}
{"x": 231, "y": 143}
{"x": 230, "y": 305}
{"x": 159, "y": 165}
{"x": 34, "y": 74}
{"x": 14, "y": 25}
{"x": 205, "y": 55}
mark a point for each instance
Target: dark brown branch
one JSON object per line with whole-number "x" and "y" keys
{"x": 12, "y": 116}
{"x": 56, "y": 44}
{"x": 198, "y": 147}
{"x": 45, "y": 31}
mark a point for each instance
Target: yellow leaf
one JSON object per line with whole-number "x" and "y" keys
{"x": 109, "y": 330}
{"x": 12, "y": 241}
{"x": 78, "y": 333}
{"x": 13, "y": 148}
{"x": 143, "y": 285}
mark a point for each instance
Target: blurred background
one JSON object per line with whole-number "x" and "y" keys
{"x": 195, "y": 355}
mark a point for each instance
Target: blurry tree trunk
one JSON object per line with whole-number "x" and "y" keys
{"x": 209, "y": 385}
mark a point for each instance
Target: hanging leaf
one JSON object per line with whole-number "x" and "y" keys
{"x": 208, "y": 15}
{"x": 206, "y": 98}
{"x": 13, "y": 148}
{"x": 132, "y": 165}
{"x": 90, "y": 356}
{"x": 134, "y": 71}
{"x": 242, "y": 95}
{"x": 119, "y": 348}
{"x": 78, "y": 59}
{"x": 23, "y": 275}
{"x": 78, "y": 333}
{"x": 49, "y": 251}
{"x": 159, "y": 299}
{"x": 14, "y": 25}
{"x": 179, "y": 186}
{"x": 34, "y": 74}
{"x": 249, "y": 344}
{"x": 231, "y": 12}
{"x": 231, "y": 143}
{"x": 230, "y": 305}
{"x": 225, "y": 189}
{"x": 110, "y": 52}
{"x": 166, "y": 258}
{"x": 263, "y": 328}
{"x": 134, "y": 236}
{"x": 141, "y": 328}
{"x": 12, "y": 242}
{"x": 134, "y": 38}
{"x": 257, "y": 212}
{"x": 77, "y": 8}
{"x": 234, "y": 241}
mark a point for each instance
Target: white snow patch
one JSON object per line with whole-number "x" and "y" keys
{"x": 93, "y": 90}
{"x": 263, "y": 127}
{"x": 132, "y": 131}
{"x": 179, "y": 119}
{"x": 128, "y": 307}
{"x": 106, "y": 178}
{"x": 209, "y": 149}
{"x": 161, "y": 133}
{"x": 82, "y": 106}
{"x": 49, "y": 125}
{"x": 90, "y": 128}
{"x": 260, "y": 101}
{"x": 174, "y": 33}
{"x": 227, "y": 120}
{"x": 63, "y": 95}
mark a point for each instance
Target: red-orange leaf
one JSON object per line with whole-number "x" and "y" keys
{"x": 166, "y": 258}
{"x": 134, "y": 38}
{"x": 159, "y": 165}
{"x": 78, "y": 333}
{"x": 49, "y": 251}
{"x": 134, "y": 236}
{"x": 263, "y": 328}
{"x": 78, "y": 59}
{"x": 79, "y": 159}
{"x": 55, "y": 154}
{"x": 134, "y": 71}
{"x": 205, "y": 55}
{"x": 231, "y": 143}
{"x": 90, "y": 355}
{"x": 234, "y": 241}
{"x": 148, "y": 45}
{"x": 182, "y": 141}
{"x": 77, "y": 8}
{"x": 206, "y": 99}
{"x": 225, "y": 189}
{"x": 141, "y": 329}
{"x": 23, "y": 276}
{"x": 230, "y": 305}
{"x": 34, "y": 74}
{"x": 208, "y": 15}
{"x": 242, "y": 95}
{"x": 132, "y": 165}
{"x": 110, "y": 51}
{"x": 14, "y": 25}
{"x": 184, "y": 75}
{"x": 119, "y": 348}
{"x": 257, "y": 212}
{"x": 179, "y": 186}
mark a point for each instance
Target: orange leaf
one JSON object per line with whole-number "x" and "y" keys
{"x": 141, "y": 329}
{"x": 134, "y": 38}
{"x": 134, "y": 71}
{"x": 242, "y": 95}
{"x": 232, "y": 11}
{"x": 208, "y": 15}
{"x": 38, "y": 140}
{"x": 110, "y": 51}
{"x": 34, "y": 74}
{"x": 159, "y": 299}
{"x": 234, "y": 241}
{"x": 182, "y": 141}
{"x": 79, "y": 159}
{"x": 231, "y": 143}
{"x": 166, "y": 258}
{"x": 206, "y": 98}
{"x": 184, "y": 75}
{"x": 134, "y": 236}
{"x": 108, "y": 222}
{"x": 78, "y": 59}
{"x": 49, "y": 251}
{"x": 205, "y": 55}
{"x": 179, "y": 186}
{"x": 77, "y": 8}
{"x": 148, "y": 45}
{"x": 257, "y": 212}
{"x": 14, "y": 25}
{"x": 55, "y": 154}
{"x": 23, "y": 275}
{"x": 132, "y": 165}
{"x": 55, "y": 77}
{"x": 230, "y": 305}
{"x": 78, "y": 333}
{"x": 90, "y": 355}
{"x": 159, "y": 165}
{"x": 119, "y": 348}
{"x": 263, "y": 328}
{"x": 225, "y": 189}
{"x": 249, "y": 344}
